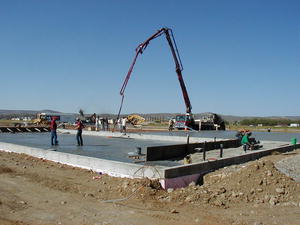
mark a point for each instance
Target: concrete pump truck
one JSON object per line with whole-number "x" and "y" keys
{"x": 182, "y": 121}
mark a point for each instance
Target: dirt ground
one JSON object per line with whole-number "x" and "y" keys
{"x": 36, "y": 191}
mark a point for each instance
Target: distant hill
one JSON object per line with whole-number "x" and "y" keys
{"x": 8, "y": 114}
{"x": 14, "y": 111}
{"x": 231, "y": 118}
{"x": 152, "y": 116}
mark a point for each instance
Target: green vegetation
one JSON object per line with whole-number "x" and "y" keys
{"x": 268, "y": 122}
{"x": 226, "y": 122}
{"x": 264, "y": 124}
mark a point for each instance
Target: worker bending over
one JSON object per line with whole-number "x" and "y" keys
{"x": 245, "y": 142}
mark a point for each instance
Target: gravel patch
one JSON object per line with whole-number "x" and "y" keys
{"x": 290, "y": 166}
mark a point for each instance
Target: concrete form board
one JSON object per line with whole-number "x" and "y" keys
{"x": 205, "y": 167}
{"x": 165, "y": 152}
{"x": 23, "y": 129}
{"x": 172, "y": 151}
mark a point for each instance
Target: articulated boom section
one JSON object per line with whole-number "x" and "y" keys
{"x": 171, "y": 41}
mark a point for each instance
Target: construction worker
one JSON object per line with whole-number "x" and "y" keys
{"x": 79, "y": 127}
{"x": 97, "y": 123}
{"x": 245, "y": 142}
{"x": 171, "y": 124}
{"x": 106, "y": 124}
{"x": 123, "y": 122}
{"x": 53, "y": 128}
{"x": 102, "y": 127}
{"x": 119, "y": 124}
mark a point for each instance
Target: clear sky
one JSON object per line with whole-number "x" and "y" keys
{"x": 240, "y": 57}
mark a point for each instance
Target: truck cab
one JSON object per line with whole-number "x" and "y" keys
{"x": 183, "y": 121}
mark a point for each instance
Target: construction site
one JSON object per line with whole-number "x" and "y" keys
{"x": 147, "y": 177}
{"x": 194, "y": 172}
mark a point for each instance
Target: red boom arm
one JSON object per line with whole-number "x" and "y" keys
{"x": 174, "y": 50}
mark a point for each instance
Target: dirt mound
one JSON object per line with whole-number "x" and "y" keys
{"x": 4, "y": 169}
{"x": 37, "y": 191}
{"x": 257, "y": 182}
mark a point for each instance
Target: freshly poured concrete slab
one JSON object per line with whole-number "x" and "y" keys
{"x": 197, "y": 136}
{"x": 173, "y": 138}
{"x": 117, "y": 147}
{"x": 110, "y": 167}
{"x": 105, "y": 147}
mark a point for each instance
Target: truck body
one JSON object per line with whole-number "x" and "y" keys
{"x": 60, "y": 117}
{"x": 185, "y": 122}
{"x": 207, "y": 121}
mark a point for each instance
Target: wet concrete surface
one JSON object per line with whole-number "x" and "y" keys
{"x": 258, "y": 135}
{"x": 99, "y": 147}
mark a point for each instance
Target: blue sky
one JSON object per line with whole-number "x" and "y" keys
{"x": 239, "y": 57}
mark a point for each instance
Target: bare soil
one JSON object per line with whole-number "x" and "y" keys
{"x": 37, "y": 191}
